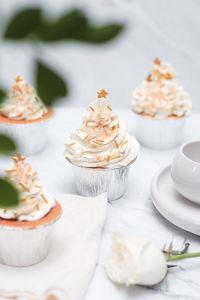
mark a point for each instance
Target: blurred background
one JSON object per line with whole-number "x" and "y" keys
{"x": 141, "y": 30}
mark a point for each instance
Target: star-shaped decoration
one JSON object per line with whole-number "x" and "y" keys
{"x": 102, "y": 94}
{"x": 18, "y": 157}
{"x": 18, "y": 78}
{"x": 157, "y": 61}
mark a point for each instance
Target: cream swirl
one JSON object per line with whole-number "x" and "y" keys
{"x": 161, "y": 95}
{"x": 23, "y": 103}
{"x": 35, "y": 201}
{"x": 102, "y": 140}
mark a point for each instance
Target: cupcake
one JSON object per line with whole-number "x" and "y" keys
{"x": 25, "y": 230}
{"x": 101, "y": 151}
{"x": 24, "y": 117}
{"x": 161, "y": 106}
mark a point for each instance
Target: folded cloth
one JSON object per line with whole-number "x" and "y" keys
{"x": 66, "y": 273}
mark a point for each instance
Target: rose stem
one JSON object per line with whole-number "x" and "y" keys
{"x": 183, "y": 256}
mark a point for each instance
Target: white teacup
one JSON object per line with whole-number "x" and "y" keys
{"x": 185, "y": 171}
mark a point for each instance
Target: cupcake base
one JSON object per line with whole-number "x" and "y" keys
{"x": 94, "y": 181}
{"x": 30, "y": 136}
{"x": 24, "y": 243}
{"x": 160, "y": 134}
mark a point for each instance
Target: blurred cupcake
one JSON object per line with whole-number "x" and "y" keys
{"x": 25, "y": 230}
{"x": 24, "y": 117}
{"x": 101, "y": 151}
{"x": 161, "y": 104}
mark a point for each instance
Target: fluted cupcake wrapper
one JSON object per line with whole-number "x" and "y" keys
{"x": 160, "y": 134}
{"x": 30, "y": 138}
{"x": 22, "y": 247}
{"x": 95, "y": 181}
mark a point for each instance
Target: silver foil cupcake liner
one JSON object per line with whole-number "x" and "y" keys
{"x": 93, "y": 181}
{"x": 160, "y": 134}
{"x": 22, "y": 247}
{"x": 30, "y": 138}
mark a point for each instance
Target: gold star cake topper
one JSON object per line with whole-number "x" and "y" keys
{"x": 157, "y": 61}
{"x": 18, "y": 78}
{"x": 18, "y": 157}
{"x": 102, "y": 94}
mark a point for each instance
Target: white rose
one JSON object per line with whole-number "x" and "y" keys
{"x": 135, "y": 261}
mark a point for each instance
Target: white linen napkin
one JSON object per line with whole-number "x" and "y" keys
{"x": 66, "y": 273}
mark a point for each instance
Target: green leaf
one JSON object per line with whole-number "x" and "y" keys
{"x": 2, "y": 95}
{"x": 50, "y": 85}
{"x": 74, "y": 25}
{"x": 7, "y": 145}
{"x": 102, "y": 34}
{"x": 69, "y": 26}
{"x": 9, "y": 196}
{"x": 23, "y": 23}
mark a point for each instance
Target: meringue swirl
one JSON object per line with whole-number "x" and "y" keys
{"x": 161, "y": 95}
{"x": 23, "y": 103}
{"x": 35, "y": 201}
{"x": 102, "y": 140}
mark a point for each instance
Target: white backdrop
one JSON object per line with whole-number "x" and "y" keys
{"x": 168, "y": 29}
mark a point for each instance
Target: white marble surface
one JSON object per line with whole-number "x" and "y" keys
{"x": 134, "y": 213}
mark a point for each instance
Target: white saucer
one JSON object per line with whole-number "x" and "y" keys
{"x": 174, "y": 207}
